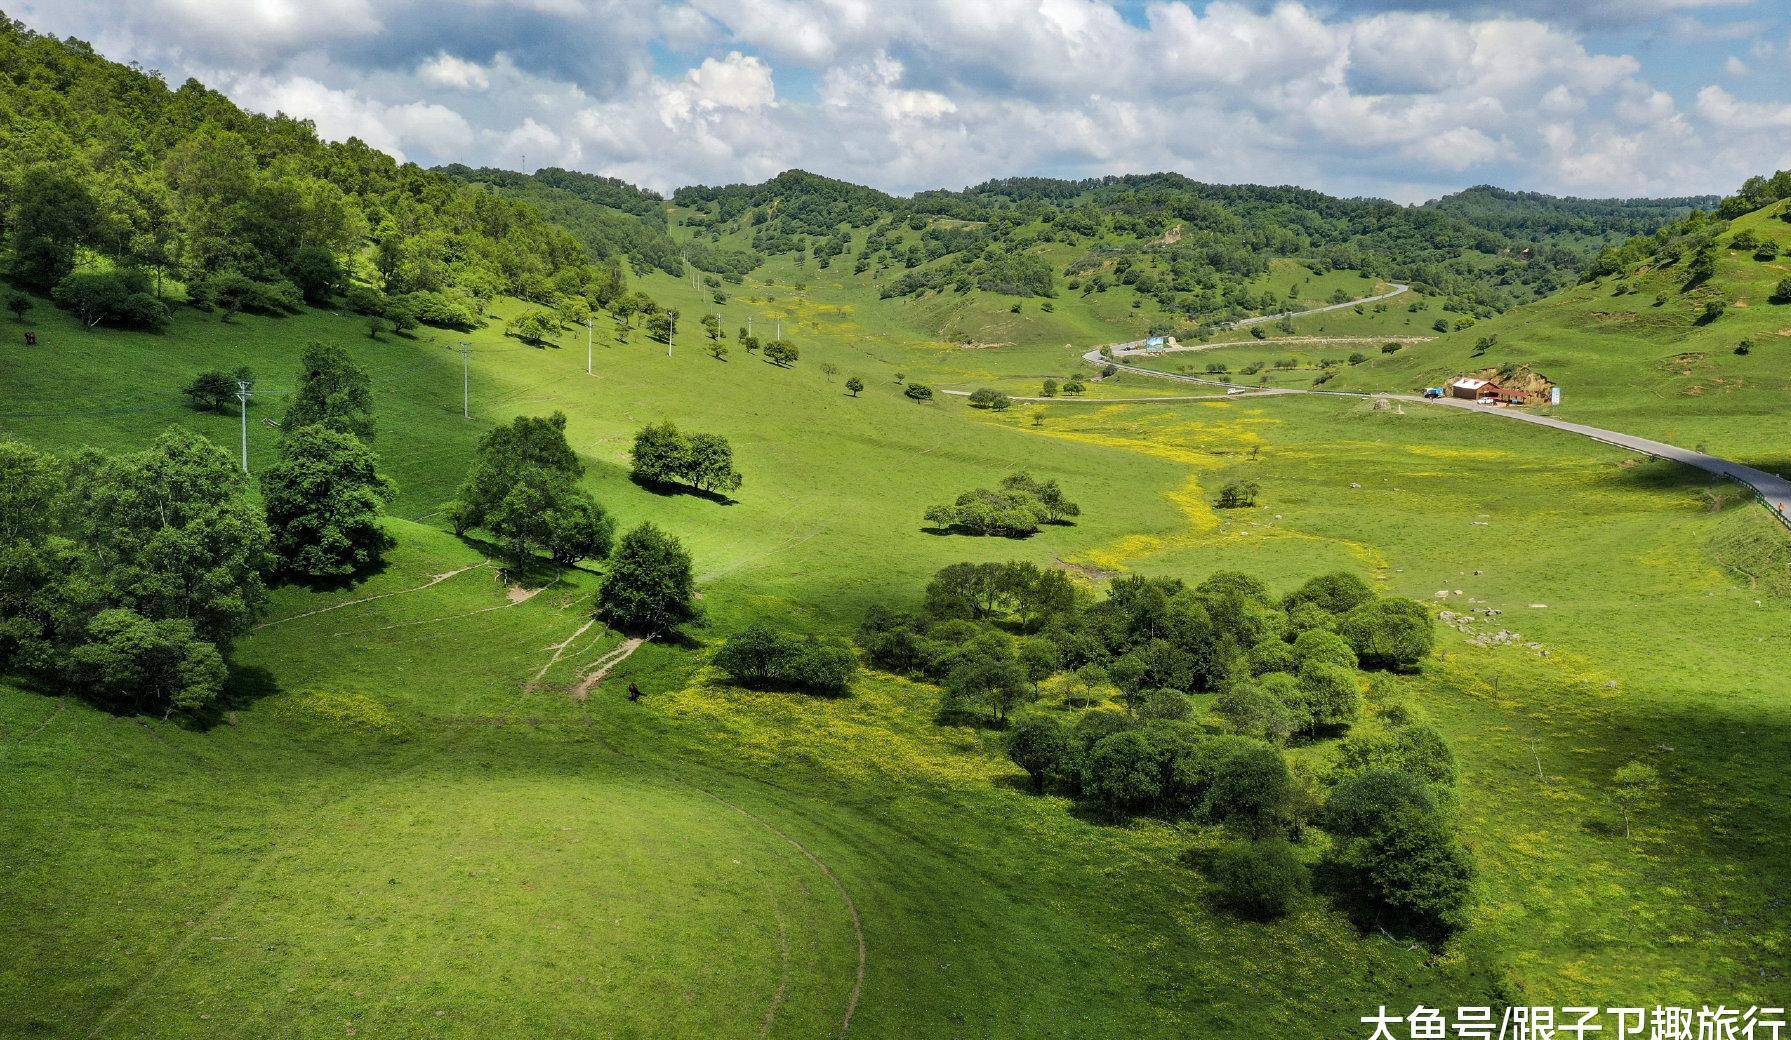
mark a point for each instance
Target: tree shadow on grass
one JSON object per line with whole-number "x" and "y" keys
{"x": 967, "y": 532}
{"x": 246, "y": 684}
{"x": 666, "y": 489}
{"x": 333, "y": 582}
{"x": 1666, "y": 475}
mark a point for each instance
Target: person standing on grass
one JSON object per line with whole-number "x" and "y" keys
{"x": 634, "y": 693}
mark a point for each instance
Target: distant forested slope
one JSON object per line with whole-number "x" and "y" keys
{"x": 112, "y": 179}
{"x": 1191, "y": 246}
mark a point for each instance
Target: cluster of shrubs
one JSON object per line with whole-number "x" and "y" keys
{"x": 1279, "y": 671}
{"x": 994, "y": 400}
{"x": 120, "y": 297}
{"x": 664, "y": 455}
{"x": 763, "y": 657}
{"x": 1014, "y": 508}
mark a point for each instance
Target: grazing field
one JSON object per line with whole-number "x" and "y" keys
{"x": 426, "y": 814}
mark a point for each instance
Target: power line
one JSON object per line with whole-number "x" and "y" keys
{"x": 243, "y": 393}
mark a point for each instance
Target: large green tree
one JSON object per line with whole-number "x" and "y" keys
{"x": 172, "y": 534}
{"x": 333, "y": 391}
{"x": 525, "y": 445}
{"x": 132, "y": 663}
{"x": 545, "y": 511}
{"x": 650, "y": 586}
{"x": 324, "y": 496}
{"x": 53, "y": 216}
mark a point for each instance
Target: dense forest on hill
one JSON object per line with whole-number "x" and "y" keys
{"x": 113, "y": 180}
{"x": 1191, "y": 246}
{"x": 609, "y": 217}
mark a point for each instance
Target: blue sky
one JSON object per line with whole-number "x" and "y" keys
{"x": 1405, "y": 100}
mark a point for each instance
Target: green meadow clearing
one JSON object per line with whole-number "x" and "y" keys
{"x": 427, "y": 815}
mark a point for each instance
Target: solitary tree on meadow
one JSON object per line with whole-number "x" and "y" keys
{"x": 650, "y": 587}
{"x": 855, "y": 385}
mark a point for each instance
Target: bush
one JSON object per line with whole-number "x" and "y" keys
{"x": 1416, "y": 749}
{"x": 1364, "y": 802}
{"x": 316, "y": 273}
{"x": 1238, "y": 494}
{"x": 760, "y": 656}
{"x": 918, "y": 392}
{"x": 1272, "y": 655}
{"x": 233, "y": 291}
{"x": 131, "y": 662}
{"x": 994, "y": 400}
{"x": 664, "y": 455}
{"x": 212, "y": 391}
{"x": 1260, "y": 880}
{"x": 1163, "y": 705}
{"x": 117, "y": 298}
{"x": 442, "y": 310}
{"x": 1044, "y": 747}
{"x": 1015, "y": 508}
{"x": 1393, "y": 633}
{"x": 649, "y": 587}
{"x": 1321, "y": 645}
{"x": 1123, "y": 773}
{"x": 1328, "y": 694}
{"x": 1408, "y": 875}
{"x": 1252, "y": 791}
{"x": 1338, "y": 593}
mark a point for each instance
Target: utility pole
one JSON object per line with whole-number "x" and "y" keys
{"x": 780, "y": 328}
{"x": 242, "y": 406}
{"x": 671, "y": 325}
{"x": 466, "y": 379}
{"x": 590, "y": 330}
{"x": 749, "y": 324}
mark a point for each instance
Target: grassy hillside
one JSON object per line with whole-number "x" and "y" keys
{"x": 1635, "y": 351}
{"x": 414, "y": 824}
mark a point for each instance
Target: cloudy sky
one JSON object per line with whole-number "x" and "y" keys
{"x": 1405, "y": 99}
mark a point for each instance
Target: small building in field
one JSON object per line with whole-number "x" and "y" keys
{"x": 1484, "y": 391}
{"x": 1468, "y": 388}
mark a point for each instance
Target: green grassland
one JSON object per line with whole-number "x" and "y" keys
{"x": 414, "y": 824}
{"x": 1632, "y": 354}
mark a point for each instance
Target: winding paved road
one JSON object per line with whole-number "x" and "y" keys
{"x": 1244, "y": 323}
{"x": 1773, "y": 490}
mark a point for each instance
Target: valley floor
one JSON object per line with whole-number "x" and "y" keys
{"x": 423, "y": 818}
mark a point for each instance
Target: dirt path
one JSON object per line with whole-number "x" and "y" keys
{"x": 431, "y": 583}
{"x": 514, "y": 597}
{"x": 1336, "y": 341}
{"x": 559, "y": 651}
{"x": 600, "y": 668}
